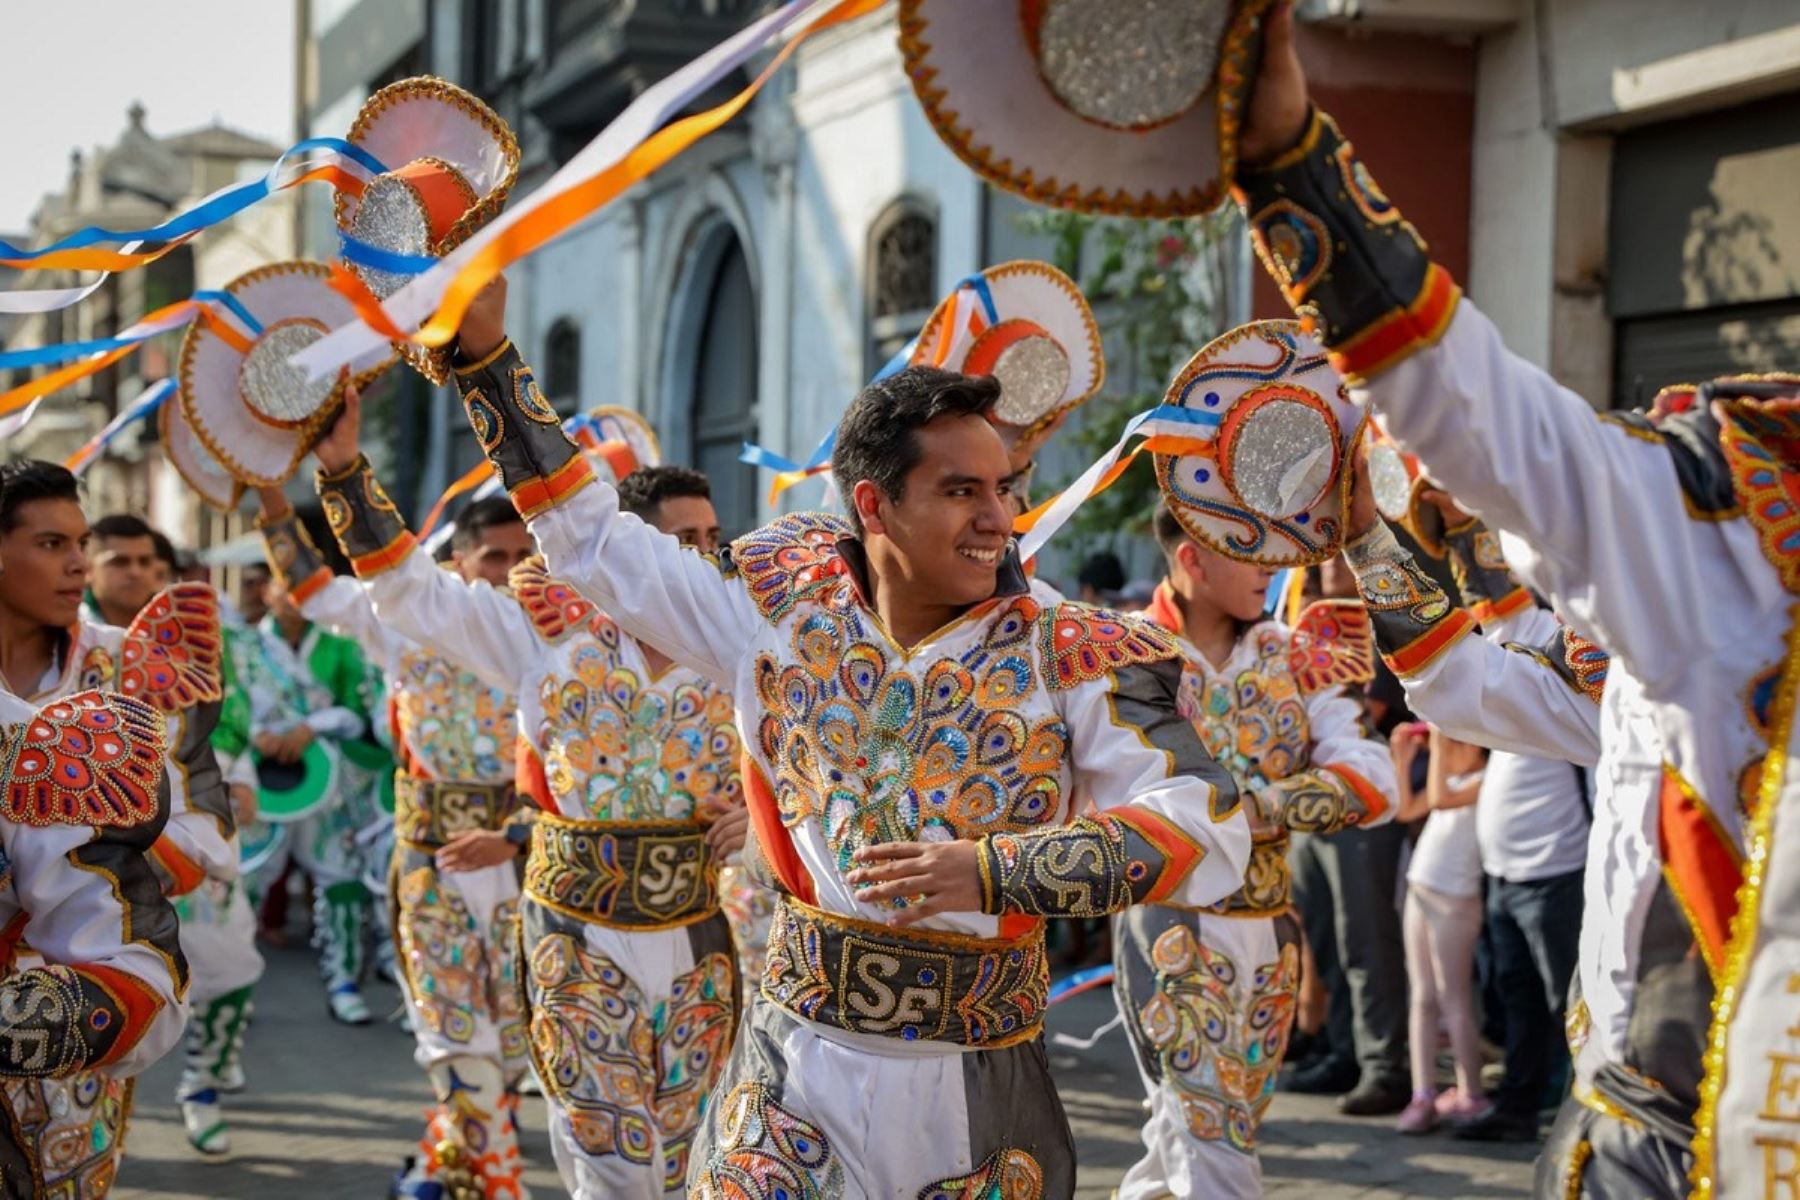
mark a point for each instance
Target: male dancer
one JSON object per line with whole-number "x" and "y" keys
{"x": 918, "y": 730}
{"x": 218, "y": 926}
{"x": 1208, "y": 995}
{"x": 1671, "y": 546}
{"x": 169, "y": 659}
{"x": 454, "y": 893}
{"x": 329, "y": 690}
{"x": 631, "y": 979}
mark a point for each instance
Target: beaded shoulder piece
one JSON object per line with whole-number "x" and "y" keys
{"x": 1333, "y": 643}
{"x": 170, "y": 657}
{"x": 556, "y": 609}
{"x": 790, "y": 560}
{"x": 1082, "y": 643}
{"x": 91, "y": 758}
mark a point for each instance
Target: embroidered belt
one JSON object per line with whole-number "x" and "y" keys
{"x": 909, "y": 984}
{"x": 625, "y": 874}
{"x": 1268, "y": 883}
{"x": 431, "y": 812}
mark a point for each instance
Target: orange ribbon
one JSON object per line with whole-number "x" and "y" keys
{"x": 1160, "y": 444}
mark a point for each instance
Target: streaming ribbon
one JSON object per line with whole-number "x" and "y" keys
{"x": 583, "y": 427}
{"x": 789, "y": 472}
{"x": 642, "y": 139}
{"x": 1166, "y": 429}
{"x": 147, "y": 403}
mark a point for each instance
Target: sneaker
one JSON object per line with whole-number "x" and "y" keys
{"x": 1375, "y": 1098}
{"x": 347, "y": 1004}
{"x": 1419, "y": 1116}
{"x": 205, "y": 1124}
{"x": 232, "y": 1081}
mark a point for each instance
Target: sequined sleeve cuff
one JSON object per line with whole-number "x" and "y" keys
{"x": 363, "y": 519}
{"x": 1414, "y": 620}
{"x": 520, "y": 432}
{"x": 1488, "y": 587}
{"x": 63, "y": 1019}
{"x": 1344, "y": 256}
{"x": 296, "y": 562}
{"x": 1088, "y": 868}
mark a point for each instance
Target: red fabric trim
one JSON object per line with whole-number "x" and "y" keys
{"x": 1486, "y": 612}
{"x": 539, "y": 495}
{"x": 1422, "y": 651}
{"x": 1701, "y": 865}
{"x": 1368, "y": 793}
{"x": 1164, "y": 610}
{"x": 528, "y": 772}
{"x": 1397, "y": 335}
{"x": 311, "y": 586}
{"x": 1184, "y": 854}
{"x": 772, "y": 836}
{"x": 184, "y": 871}
{"x": 137, "y": 1003}
{"x": 386, "y": 558}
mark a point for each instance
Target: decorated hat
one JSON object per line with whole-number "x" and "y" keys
{"x": 194, "y": 462}
{"x": 451, "y": 162}
{"x": 1027, "y": 325}
{"x": 1397, "y": 480}
{"x": 1108, "y": 106}
{"x": 254, "y": 412}
{"x": 1272, "y": 488}
{"x": 617, "y": 440}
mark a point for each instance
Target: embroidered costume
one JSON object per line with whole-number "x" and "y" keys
{"x": 457, "y": 932}
{"x": 168, "y": 659}
{"x": 631, "y": 979}
{"x": 1671, "y": 546}
{"x": 1208, "y": 993}
{"x": 877, "y": 1061}
{"x": 325, "y": 683}
{"x": 102, "y": 992}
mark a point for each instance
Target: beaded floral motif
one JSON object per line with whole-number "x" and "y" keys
{"x": 451, "y": 722}
{"x": 555, "y": 608}
{"x": 446, "y": 967}
{"x": 1333, "y": 645}
{"x": 92, "y": 758}
{"x": 170, "y": 656}
{"x": 594, "y": 1047}
{"x": 883, "y": 755}
{"x": 1003, "y": 1175}
{"x": 1296, "y": 245}
{"x": 694, "y": 1028}
{"x": 1083, "y": 644}
{"x": 1219, "y": 1037}
{"x": 1253, "y": 722}
{"x": 765, "y": 1151}
{"x": 1767, "y": 484}
{"x": 1587, "y": 664}
{"x": 793, "y": 559}
{"x": 74, "y": 1128}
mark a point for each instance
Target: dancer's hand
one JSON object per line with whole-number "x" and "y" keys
{"x": 1453, "y": 513}
{"x": 475, "y": 849}
{"x": 484, "y": 325}
{"x": 274, "y": 503}
{"x": 932, "y": 877}
{"x": 243, "y": 803}
{"x": 729, "y": 829}
{"x": 1277, "y": 115}
{"x": 343, "y": 441}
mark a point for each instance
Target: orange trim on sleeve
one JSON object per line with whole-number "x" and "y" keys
{"x": 311, "y": 586}
{"x": 1701, "y": 864}
{"x": 1486, "y": 612}
{"x": 138, "y": 1003}
{"x": 1374, "y": 802}
{"x": 539, "y": 495}
{"x": 1425, "y": 649}
{"x": 1397, "y": 335}
{"x": 529, "y": 778}
{"x": 184, "y": 872}
{"x": 384, "y": 559}
{"x": 1182, "y": 851}
{"x": 772, "y": 836}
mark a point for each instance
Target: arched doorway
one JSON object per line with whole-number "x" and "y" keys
{"x": 722, "y": 408}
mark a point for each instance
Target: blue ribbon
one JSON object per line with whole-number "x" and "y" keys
{"x": 210, "y": 212}
{"x": 363, "y": 254}
{"x": 1277, "y": 589}
{"x": 210, "y": 296}
{"x": 61, "y": 352}
{"x": 146, "y": 404}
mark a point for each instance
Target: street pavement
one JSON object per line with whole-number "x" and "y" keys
{"x": 331, "y": 1110}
